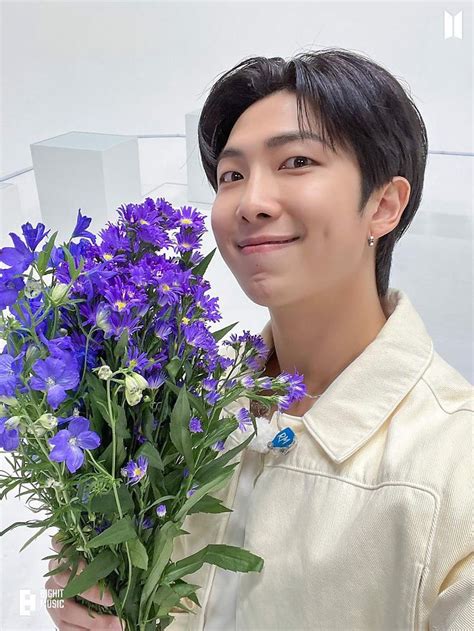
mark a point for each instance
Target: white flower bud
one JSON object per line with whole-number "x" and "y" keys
{"x": 52, "y": 484}
{"x": 104, "y": 372}
{"x": 134, "y": 398}
{"x": 59, "y": 294}
{"x": 13, "y": 422}
{"x": 8, "y": 400}
{"x": 32, "y": 288}
{"x": 141, "y": 382}
{"x": 101, "y": 319}
{"x": 47, "y": 421}
{"x": 32, "y": 353}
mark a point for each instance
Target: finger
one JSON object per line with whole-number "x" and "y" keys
{"x": 93, "y": 593}
{"x": 77, "y": 615}
{"x": 56, "y": 614}
{"x": 55, "y": 543}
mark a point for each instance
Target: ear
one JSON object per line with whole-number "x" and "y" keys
{"x": 392, "y": 201}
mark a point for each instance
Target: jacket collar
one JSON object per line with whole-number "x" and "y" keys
{"x": 367, "y": 392}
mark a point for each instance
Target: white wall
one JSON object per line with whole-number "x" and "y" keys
{"x": 138, "y": 68}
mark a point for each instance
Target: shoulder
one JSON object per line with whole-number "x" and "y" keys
{"x": 451, "y": 391}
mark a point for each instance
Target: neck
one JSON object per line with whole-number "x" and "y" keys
{"x": 320, "y": 338}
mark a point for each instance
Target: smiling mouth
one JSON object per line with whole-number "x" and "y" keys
{"x": 267, "y": 243}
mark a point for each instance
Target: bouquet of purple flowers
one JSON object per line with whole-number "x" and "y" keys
{"x": 111, "y": 398}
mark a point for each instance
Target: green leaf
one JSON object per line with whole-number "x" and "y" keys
{"x": 233, "y": 558}
{"x": 224, "y": 556}
{"x": 224, "y": 429}
{"x": 173, "y": 366}
{"x": 165, "y": 598}
{"x": 44, "y": 255}
{"x": 217, "y": 335}
{"x": 207, "y": 471}
{"x": 12, "y": 526}
{"x": 121, "y": 346}
{"x": 209, "y": 504}
{"x": 37, "y": 534}
{"x": 100, "y": 567}
{"x": 71, "y": 263}
{"x": 106, "y": 503}
{"x": 201, "y": 267}
{"x": 121, "y": 429}
{"x": 161, "y": 557}
{"x": 153, "y": 455}
{"x": 179, "y": 430}
{"x": 138, "y": 554}
{"x": 122, "y": 530}
{"x": 213, "y": 485}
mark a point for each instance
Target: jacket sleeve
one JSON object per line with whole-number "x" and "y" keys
{"x": 454, "y": 607}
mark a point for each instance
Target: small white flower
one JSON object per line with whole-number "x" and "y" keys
{"x": 134, "y": 386}
{"x": 13, "y": 422}
{"x": 59, "y": 294}
{"x": 48, "y": 421}
{"x": 104, "y": 372}
{"x": 101, "y": 319}
{"x": 141, "y": 382}
{"x": 32, "y": 288}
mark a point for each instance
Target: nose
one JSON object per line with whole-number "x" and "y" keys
{"x": 258, "y": 195}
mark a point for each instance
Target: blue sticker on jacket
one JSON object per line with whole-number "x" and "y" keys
{"x": 284, "y": 440}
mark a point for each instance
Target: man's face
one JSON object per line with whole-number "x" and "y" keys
{"x": 299, "y": 189}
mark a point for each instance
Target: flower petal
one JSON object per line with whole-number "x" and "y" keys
{"x": 74, "y": 458}
{"x": 59, "y": 453}
{"x": 78, "y": 425}
{"x": 61, "y": 438}
{"x": 37, "y": 383}
{"x": 88, "y": 440}
{"x": 56, "y": 395}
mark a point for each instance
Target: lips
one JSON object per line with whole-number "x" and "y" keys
{"x": 264, "y": 242}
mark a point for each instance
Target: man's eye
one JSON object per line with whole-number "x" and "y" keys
{"x": 299, "y": 158}
{"x": 221, "y": 179}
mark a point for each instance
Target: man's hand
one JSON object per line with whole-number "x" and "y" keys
{"x": 74, "y": 617}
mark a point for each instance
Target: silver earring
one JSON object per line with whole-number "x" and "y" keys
{"x": 371, "y": 241}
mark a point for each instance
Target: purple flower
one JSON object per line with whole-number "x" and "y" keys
{"x": 114, "y": 238}
{"x": 219, "y": 446}
{"x": 81, "y": 224}
{"x": 243, "y": 416}
{"x": 18, "y": 258}
{"x": 121, "y": 297}
{"x": 189, "y": 217}
{"x": 102, "y": 526}
{"x": 161, "y": 510}
{"x": 195, "y": 425}
{"x": 192, "y": 490}
{"x": 9, "y": 369}
{"x": 69, "y": 443}
{"x": 34, "y": 236}
{"x": 136, "y": 360}
{"x": 9, "y": 436}
{"x": 54, "y": 376}
{"x": 145, "y": 523}
{"x": 9, "y": 288}
{"x": 135, "y": 471}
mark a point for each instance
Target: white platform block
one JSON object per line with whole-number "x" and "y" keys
{"x": 199, "y": 189}
{"x": 10, "y": 211}
{"x": 94, "y": 172}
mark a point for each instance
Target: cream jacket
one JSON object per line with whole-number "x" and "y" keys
{"x": 367, "y": 523}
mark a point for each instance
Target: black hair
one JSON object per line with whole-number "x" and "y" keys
{"x": 360, "y": 107}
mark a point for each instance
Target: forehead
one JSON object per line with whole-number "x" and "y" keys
{"x": 270, "y": 123}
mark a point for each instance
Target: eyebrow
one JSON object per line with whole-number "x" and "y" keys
{"x": 274, "y": 141}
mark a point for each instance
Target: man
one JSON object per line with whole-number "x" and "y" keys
{"x": 364, "y": 524}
